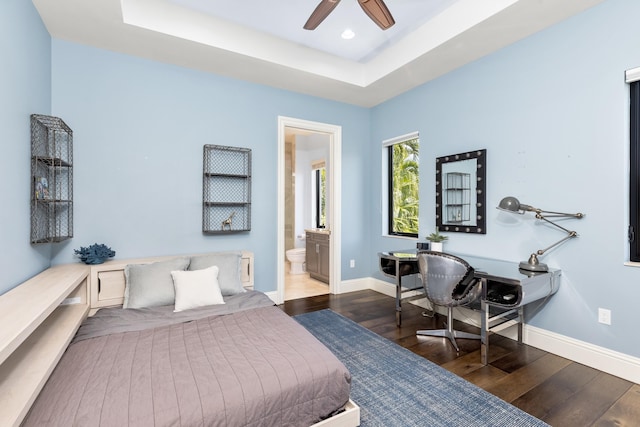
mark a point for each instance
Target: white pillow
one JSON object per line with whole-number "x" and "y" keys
{"x": 196, "y": 288}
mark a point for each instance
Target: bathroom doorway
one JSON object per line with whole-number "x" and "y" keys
{"x": 308, "y": 191}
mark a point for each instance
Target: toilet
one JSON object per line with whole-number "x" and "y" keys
{"x": 297, "y": 258}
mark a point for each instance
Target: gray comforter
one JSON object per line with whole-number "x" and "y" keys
{"x": 241, "y": 367}
{"x": 113, "y": 320}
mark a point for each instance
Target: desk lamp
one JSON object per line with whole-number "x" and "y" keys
{"x": 512, "y": 205}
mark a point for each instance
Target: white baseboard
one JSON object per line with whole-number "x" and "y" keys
{"x": 354, "y": 285}
{"x": 387, "y": 288}
{"x": 603, "y": 359}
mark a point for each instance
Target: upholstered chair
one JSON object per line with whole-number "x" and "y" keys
{"x": 449, "y": 282}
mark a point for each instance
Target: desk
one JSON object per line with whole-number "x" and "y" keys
{"x": 505, "y": 288}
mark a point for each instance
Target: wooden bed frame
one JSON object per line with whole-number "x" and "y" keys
{"x": 41, "y": 316}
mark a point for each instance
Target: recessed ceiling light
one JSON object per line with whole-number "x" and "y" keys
{"x": 348, "y": 34}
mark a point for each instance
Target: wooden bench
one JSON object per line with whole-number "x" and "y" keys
{"x": 36, "y": 330}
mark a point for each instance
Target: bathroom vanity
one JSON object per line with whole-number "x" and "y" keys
{"x": 318, "y": 253}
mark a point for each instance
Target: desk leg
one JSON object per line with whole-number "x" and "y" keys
{"x": 484, "y": 332}
{"x": 398, "y": 296}
{"x": 520, "y": 322}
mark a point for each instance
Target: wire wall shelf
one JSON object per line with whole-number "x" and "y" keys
{"x": 51, "y": 179}
{"x": 226, "y": 189}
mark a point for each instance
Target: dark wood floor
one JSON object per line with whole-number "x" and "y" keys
{"x": 554, "y": 389}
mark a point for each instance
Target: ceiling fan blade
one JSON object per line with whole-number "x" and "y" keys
{"x": 378, "y": 12}
{"x": 322, "y": 11}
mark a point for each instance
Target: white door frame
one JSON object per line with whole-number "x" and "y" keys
{"x": 335, "y": 161}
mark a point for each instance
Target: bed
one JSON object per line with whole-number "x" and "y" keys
{"x": 239, "y": 362}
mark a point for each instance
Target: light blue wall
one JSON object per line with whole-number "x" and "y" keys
{"x": 139, "y": 127}
{"x": 552, "y": 112}
{"x": 25, "y": 88}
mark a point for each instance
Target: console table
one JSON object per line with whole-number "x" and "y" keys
{"x": 505, "y": 288}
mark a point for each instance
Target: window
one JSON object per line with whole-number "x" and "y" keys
{"x": 402, "y": 155}
{"x": 320, "y": 194}
{"x": 633, "y": 77}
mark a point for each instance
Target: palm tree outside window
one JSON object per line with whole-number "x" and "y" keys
{"x": 403, "y": 187}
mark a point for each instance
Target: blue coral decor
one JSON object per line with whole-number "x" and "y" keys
{"x": 94, "y": 254}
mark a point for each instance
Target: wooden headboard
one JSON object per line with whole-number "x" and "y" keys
{"x": 107, "y": 281}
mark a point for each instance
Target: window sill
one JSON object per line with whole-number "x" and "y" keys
{"x": 632, "y": 264}
{"x": 393, "y": 236}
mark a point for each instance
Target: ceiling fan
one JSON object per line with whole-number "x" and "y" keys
{"x": 376, "y": 9}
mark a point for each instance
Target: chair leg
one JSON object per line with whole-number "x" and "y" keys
{"x": 449, "y": 333}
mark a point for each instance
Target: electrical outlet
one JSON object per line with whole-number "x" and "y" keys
{"x": 604, "y": 316}
{"x": 352, "y": 263}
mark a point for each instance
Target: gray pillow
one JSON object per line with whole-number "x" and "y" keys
{"x": 151, "y": 285}
{"x": 229, "y": 265}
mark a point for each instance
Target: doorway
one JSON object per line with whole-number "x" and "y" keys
{"x": 313, "y": 137}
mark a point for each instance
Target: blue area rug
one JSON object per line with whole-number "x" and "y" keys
{"x": 395, "y": 387}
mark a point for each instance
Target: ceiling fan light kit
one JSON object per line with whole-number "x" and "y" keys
{"x": 376, "y": 10}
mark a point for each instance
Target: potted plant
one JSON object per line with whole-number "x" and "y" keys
{"x": 436, "y": 239}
